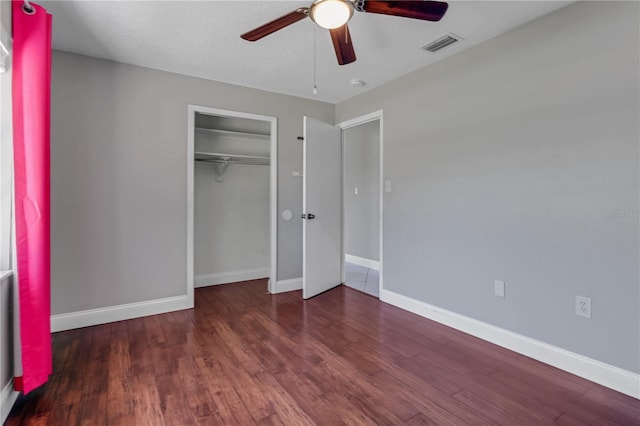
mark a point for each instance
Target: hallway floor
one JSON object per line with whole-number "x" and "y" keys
{"x": 362, "y": 279}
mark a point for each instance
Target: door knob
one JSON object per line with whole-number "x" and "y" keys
{"x": 308, "y": 216}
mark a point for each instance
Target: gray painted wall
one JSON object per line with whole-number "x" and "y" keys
{"x": 517, "y": 160}
{"x": 119, "y": 178}
{"x": 362, "y": 171}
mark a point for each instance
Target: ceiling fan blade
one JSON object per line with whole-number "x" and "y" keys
{"x": 342, "y": 44}
{"x": 275, "y": 25}
{"x": 417, "y": 9}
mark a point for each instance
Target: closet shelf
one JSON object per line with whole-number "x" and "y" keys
{"x": 218, "y": 158}
{"x": 232, "y": 133}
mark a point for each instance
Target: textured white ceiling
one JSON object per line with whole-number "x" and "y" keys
{"x": 202, "y": 39}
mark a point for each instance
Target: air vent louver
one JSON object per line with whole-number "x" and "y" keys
{"x": 441, "y": 43}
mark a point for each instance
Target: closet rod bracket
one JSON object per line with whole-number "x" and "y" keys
{"x": 221, "y": 168}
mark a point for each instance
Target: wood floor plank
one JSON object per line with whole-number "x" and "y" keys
{"x": 614, "y": 401}
{"x": 567, "y": 420}
{"x": 120, "y": 407}
{"x": 146, "y": 398}
{"x": 44, "y": 406}
{"x": 500, "y": 408}
{"x": 588, "y": 410}
{"x": 244, "y": 357}
{"x": 496, "y": 413}
{"x": 229, "y": 406}
{"x": 259, "y": 388}
{"x": 199, "y": 399}
{"x": 70, "y": 383}
{"x": 325, "y": 408}
{"x": 435, "y": 406}
{"x": 96, "y": 379}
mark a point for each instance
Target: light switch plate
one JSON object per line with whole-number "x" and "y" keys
{"x": 387, "y": 186}
{"x": 498, "y": 288}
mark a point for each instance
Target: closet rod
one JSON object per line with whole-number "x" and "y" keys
{"x": 223, "y": 158}
{"x": 232, "y": 161}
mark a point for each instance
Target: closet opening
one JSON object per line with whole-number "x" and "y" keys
{"x": 232, "y": 204}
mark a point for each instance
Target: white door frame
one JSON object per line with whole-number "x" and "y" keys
{"x": 376, "y": 115}
{"x": 273, "y": 186}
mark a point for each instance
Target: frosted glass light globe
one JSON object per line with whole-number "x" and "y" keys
{"x": 331, "y": 14}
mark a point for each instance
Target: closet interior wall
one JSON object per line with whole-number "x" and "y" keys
{"x": 231, "y": 201}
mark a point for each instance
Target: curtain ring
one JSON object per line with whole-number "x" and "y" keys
{"x": 27, "y": 8}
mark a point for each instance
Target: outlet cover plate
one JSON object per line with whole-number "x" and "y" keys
{"x": 583, "y": 306}
{"x": 498, "y": 288}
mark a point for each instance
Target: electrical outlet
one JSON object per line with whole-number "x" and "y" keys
{"x": 583, "y": 306}
{"x": 498, "y": 288}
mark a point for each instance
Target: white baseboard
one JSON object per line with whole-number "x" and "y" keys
{"x": 599, "y": 372}
{"x": 287, "y": 285}
{"x": 7, "y": 399}
{"x": 230, "y": 277}
{"x": 119, "y": 313}
{"x": 362, "y": 261}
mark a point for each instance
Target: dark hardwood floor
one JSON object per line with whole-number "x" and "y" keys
{"x": 244, "y": 357}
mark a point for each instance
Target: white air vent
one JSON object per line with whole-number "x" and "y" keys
{"x": 442, "y": 42}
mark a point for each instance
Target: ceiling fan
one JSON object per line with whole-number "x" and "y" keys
{"x": 334, "y": 15}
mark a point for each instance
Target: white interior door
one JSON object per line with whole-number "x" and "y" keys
{"x": 322, "y": 208}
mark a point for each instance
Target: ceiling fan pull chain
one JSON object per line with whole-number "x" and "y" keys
{"x": 315, "y": 88}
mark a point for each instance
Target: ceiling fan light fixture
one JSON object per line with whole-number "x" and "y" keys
{"x": 331, "y": 14}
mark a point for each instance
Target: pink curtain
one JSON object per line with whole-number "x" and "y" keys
{"x": 31, "y": 123}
